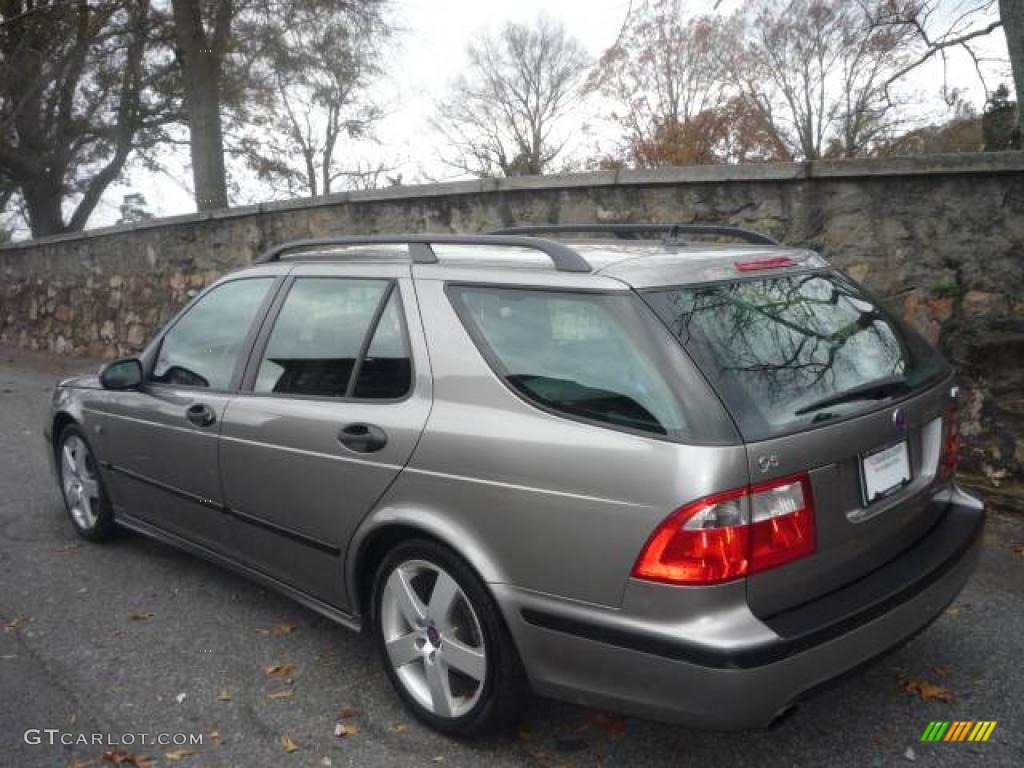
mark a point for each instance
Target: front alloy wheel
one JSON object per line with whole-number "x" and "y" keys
{"x": 81, "y": 486}
{"x": 444, "y": 644}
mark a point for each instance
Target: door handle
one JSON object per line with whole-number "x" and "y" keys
{"x": 201, "y": 415}
{"x": 362, "y": 438}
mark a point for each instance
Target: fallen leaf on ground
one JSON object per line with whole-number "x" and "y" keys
{"x": 927, "y": 691}
{"x": 346, "y": 729}
{"x": 277, "y": 630}
{"x": 610, "y": 724}
{"x": 346, "y": 712}
{"x": 910, "y": 754}
{"x": 224, "y": 695}
{"x": 399, "y": 727}
{"x": 12, "y": 625}
{"x": 63, "y": 549}
{"x": 941, "y": 671}
{"x": 1018, "y": 549}
{"x": 179, "y": 754}
{"x": 141, "y": 615}
{"x": 180, "y": 697}
{"x": 124, "y": 757}
{"x": 285, "y": 694}
{"x": 215, "y": 737}
{"x": 287, "y": 744}
{"x": 279, "y": 670}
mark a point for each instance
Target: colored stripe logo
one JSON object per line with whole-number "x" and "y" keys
{"x": 958, "y": 730}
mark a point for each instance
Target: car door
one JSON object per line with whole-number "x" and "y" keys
{"x": 333, "y": 402}
{"x": 160, "y": 441}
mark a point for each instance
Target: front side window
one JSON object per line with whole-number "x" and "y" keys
{"x": 591, "y": 356}
{"x": 205, "y": 345}
{"x": 337, "y": 337}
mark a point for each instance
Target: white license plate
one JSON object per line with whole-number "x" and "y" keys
{"x": 885, "y": 471}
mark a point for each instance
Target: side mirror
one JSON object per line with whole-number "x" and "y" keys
{"x": 125, "y": 373}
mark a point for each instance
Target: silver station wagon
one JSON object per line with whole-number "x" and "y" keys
{"x": 630, "y": 466}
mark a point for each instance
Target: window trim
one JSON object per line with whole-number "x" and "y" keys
{"x": 675, "y": 437}
{"x": 255, "y": 326}
{"x": 255, "y": 359}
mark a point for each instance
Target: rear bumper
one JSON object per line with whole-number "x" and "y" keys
{"x": 722, "y": 667}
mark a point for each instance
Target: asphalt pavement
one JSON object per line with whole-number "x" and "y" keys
{"x": 134, "y": 637}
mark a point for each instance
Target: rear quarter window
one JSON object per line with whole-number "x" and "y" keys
{"x": 599, "y": 358}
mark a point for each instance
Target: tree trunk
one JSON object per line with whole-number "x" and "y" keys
{"x": 43, "y": 201}
{"x": 1011, "y": 12}
{"x": 310, "y": 171}
{"x": 200, "y": 58}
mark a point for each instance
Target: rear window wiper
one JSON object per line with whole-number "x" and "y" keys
{"x": 872, "y": 390}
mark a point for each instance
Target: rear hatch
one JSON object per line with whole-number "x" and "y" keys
{"x": 820, "y": 379}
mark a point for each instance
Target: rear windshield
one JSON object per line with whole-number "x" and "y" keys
{"x": 595, "y": 357}
{"x": 789, "y": 352}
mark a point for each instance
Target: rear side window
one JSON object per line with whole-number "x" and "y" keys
{"x": 595, "y": 357}
{"x": 337, "y": 337}
{"x": 789, "y": 352}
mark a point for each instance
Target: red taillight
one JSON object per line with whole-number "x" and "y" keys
{"x": 728, "y": 535}
{"x": 702, "y": 543}
{"x": 781, "y": 522}
{"x": 950, "y": 443}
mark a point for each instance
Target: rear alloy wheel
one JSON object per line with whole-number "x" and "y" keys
{"x": 444, "y": 645}
{"x": 82, "y": 488}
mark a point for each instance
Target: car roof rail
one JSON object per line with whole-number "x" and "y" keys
{"x": 631, "y": 231}
{"x": 564, "y": 258}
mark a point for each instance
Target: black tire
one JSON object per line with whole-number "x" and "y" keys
{"x": 505, "y": 690}
{"x": 103, "y": 527}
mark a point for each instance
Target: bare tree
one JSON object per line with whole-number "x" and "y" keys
{"x": 939, "y": 28}
{"x": 668, "y": 78}
{"x": 321, "y": 63}
{"x": 78, "y": 94}
{"x": 503, "y": 117}
{"x": 665, "y": 76}
{"x": 818, "y": 71}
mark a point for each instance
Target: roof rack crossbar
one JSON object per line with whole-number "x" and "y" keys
{"x": 631, "y": 231}
{"x": 564, "y": 258}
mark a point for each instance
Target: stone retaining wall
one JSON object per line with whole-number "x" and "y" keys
{"x": 940, "y": 238}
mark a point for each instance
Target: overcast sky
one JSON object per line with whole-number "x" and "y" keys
{"x": 429, "y": 52}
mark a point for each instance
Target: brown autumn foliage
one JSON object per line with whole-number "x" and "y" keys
{"x": 961, "y": 134}
{"x": 732, "y": 133}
